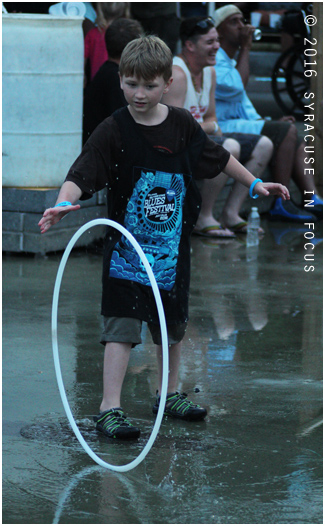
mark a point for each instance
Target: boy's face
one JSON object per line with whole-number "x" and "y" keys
{"x": 143, "y": 95}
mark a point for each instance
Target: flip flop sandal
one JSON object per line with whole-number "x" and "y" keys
{"x": 239, "y": 228}
{"x": 207, "y": 231}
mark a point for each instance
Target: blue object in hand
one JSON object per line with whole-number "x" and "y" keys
{"x": 64, "y": 203}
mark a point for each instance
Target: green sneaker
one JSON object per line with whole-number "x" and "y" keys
{"x": 114, "y": 424}
{"x": 178, "y": 406}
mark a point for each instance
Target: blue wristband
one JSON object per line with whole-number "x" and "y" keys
{"x": 64, "y": 203}
{"x": 252, "y": 188}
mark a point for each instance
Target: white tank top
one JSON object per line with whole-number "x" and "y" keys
{"x": 196, "y": 103}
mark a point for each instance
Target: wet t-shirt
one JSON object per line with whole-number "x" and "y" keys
{"x": 149, "y": 172}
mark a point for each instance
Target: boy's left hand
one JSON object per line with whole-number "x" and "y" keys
{"x": 265, "y": 189}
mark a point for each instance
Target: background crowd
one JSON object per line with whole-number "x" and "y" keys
{"x": 211, "y": 71}
{"x": 211, "y": 84}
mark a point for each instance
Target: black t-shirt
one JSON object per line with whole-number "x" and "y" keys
{"x": 97, "y": 165}
{"x": 103, "y": 95}
{"x": 150, "y": 174}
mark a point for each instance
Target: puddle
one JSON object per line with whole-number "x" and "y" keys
{"x": 252, "y": 356}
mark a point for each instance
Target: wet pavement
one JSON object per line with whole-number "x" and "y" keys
{"x": 252, "y": 355}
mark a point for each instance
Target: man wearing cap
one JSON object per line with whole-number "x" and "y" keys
{"x": 236, "y": 113}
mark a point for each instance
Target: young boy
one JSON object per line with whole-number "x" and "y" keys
{"x": 148, "y": 156}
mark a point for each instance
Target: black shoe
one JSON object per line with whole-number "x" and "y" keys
{"x": 114, "y": 424}
{"x": 287, "y": 211}
{"x": 178, "y": 406}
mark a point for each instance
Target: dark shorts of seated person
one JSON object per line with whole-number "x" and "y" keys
{"x": 247, "y": 142}
{"x": 277, "y": 131}
{"x": 128, "y": 330}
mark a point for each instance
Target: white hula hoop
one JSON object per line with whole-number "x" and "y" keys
{"x": 162, "y": 321}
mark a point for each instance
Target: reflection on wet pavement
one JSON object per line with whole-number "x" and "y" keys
{"x": 252, "y": 355}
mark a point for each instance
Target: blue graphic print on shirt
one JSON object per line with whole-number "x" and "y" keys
{"x": 154, "y": 217}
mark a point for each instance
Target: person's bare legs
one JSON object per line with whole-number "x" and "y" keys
{"x": 210, "y": 191}
{"x": 284, "y": 158}
{"x": 261, "y": 156}
{"x": 231, "y": 212}
{"x": 116, "y": 359}
{"x": 174, "y": 355}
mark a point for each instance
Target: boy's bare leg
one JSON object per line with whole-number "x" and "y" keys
{"x": 178, "y": 406}
{"x": 116, "y": 359}
{"x": 174, "y": 360}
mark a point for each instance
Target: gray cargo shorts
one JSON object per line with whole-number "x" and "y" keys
{"x": 128, "y": 330}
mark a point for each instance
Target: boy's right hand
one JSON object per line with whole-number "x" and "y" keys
{"x": 53, "y": 215}
{"x": 265, "y": 189}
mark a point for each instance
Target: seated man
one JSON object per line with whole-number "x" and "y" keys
{"x": 236, "y": 113}
{"x": 103, "y": 95}
{"x": 193, "y": 88}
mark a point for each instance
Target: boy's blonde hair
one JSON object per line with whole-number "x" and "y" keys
{"x": 147, "y": 58}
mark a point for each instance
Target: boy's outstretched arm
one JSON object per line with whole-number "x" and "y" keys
{"x": 69, "y": 192}
{"x": 239, "y": 173}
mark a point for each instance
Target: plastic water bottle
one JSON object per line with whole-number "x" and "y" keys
{"x": 252, "y": 228}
